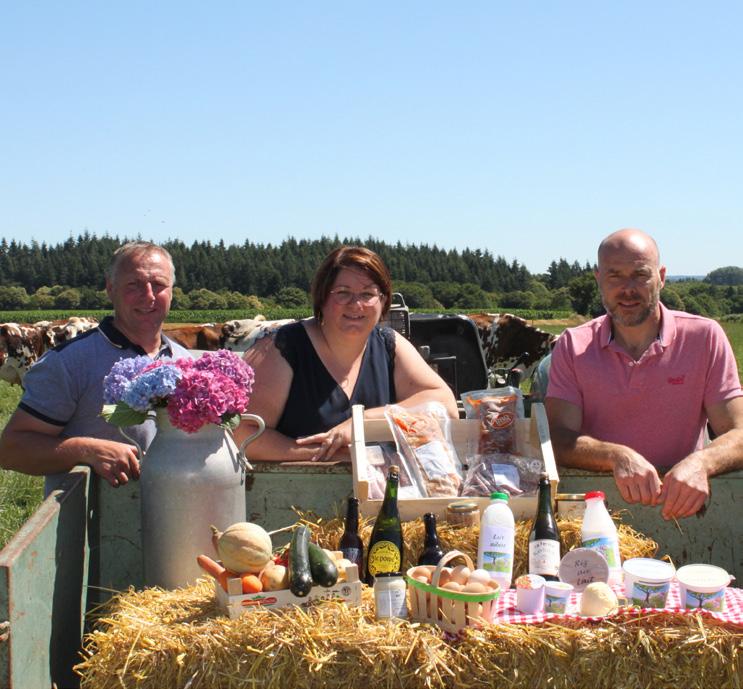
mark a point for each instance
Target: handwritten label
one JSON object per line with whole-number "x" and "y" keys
{"x": 583, "y": 566}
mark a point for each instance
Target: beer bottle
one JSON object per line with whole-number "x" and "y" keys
{"x": 351, "y": 544}
{"x": 385, "y": 544}
{"x": 431, "y": 553}
{"x": 544, "y": 539}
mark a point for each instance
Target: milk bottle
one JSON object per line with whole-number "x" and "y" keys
{"x": 495, "y": 548}
{"x": 599, "y": 533}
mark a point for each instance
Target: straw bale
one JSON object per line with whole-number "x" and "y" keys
{"x": 157, "y": 639}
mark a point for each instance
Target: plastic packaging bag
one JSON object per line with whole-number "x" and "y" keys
{"x": 423, "y": 439}
{"x": 497, "y": 411}
{"x": 496, "y": 466}
{"x": 379, "y": 459}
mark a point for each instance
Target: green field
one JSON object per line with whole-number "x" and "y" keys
{"x": 20, "y": 494}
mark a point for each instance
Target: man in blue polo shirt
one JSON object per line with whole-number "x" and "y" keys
{"x": 58, "y": 424}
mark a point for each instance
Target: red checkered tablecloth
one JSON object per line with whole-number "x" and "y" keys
{"x": 506, "y": 611}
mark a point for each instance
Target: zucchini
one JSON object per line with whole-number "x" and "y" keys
{"x": 300, "y": 575}
{"x": 324, "y": 571}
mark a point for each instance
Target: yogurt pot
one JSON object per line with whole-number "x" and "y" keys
{"x": 647, "y": 581}
{"x": 530, "y": 594}
{"x": 703, "y": 586}
{"x": 556, "y": 596}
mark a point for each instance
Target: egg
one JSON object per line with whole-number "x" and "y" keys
{"x": 453, "y": 586}
{"x": 445, "y": 576}
{"x": 421, "y": 573}
{"x": 460, "y": 574}
{"x": 475, "y": 587}
{"x": 480, "y": 576}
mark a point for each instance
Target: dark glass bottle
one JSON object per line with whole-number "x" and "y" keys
{"x": 431, "y": 553}
{"x": 544, "y": 539}
{"x": 385, "y": 545}
{"x": 351, "y": 544}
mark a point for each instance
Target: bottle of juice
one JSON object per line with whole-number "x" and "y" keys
{"x": 544, "y": 539}
{"x": 386, "y": 546}
{"x": 495, "y": 547}
{"x": 599, "y": 533}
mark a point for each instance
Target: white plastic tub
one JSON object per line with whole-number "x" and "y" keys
{"x": 647, "y": 581}
{"x": 703, "y": 586}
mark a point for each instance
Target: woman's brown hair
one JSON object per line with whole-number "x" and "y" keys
{"x": 355, "y": 257}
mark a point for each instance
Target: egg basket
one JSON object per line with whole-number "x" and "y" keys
{"x": 449, "y": 610}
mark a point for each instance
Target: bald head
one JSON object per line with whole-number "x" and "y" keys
{"x": 630, "y": 242}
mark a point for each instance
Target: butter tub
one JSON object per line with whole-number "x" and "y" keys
{"x": 703, "y": 586}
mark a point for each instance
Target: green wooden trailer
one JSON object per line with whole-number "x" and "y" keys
{"x": 84, "y": 542}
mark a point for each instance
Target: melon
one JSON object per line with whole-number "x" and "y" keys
{"x": 244, "y": 548}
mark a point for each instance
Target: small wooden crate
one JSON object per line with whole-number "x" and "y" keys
{"x": 449, "y": 610}
{"x": 234, "y": 602}
{"x": 532, "y": 439}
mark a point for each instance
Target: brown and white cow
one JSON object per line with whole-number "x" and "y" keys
{"x": 505, "y": 337}
{"x": 21, "y": 345}
{"x": 207, "y": 336}
{"x": 241, "y": 335}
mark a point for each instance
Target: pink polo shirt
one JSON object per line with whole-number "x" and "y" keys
{"x": 655, "y": 405}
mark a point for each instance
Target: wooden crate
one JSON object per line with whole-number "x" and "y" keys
{"x": 532, "y": 439}
{"x": 233, "y": 602}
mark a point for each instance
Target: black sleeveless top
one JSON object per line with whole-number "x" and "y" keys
{"x": 316, "y": 402}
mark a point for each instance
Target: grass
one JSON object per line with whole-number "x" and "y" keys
{"x": 21, "y": 494}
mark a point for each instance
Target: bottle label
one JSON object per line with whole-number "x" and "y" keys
{"x": 384, "y": 556}
{"x": 352, "y": 554}
{"x": 497, "y": 550}
{"x": 390, "y": 602}
{"x": 544, "y": 557}
{"x": 608, "y": 546}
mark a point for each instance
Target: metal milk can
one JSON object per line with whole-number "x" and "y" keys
{"x": 189, "y": 481}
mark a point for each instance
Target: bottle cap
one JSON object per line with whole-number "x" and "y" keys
{"x": 499, "y": 496}
{"x": 394, "y": 469}
{"x": 592, "y": 495}
{"x": 381, "y": 575}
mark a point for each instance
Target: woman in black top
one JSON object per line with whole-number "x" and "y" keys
{"x": 313, "y": 371}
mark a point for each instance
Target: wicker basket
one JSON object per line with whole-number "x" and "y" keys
{"x": 449, "y": 610}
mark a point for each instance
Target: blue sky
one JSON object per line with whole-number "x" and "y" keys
{"x": 531, "y": 129}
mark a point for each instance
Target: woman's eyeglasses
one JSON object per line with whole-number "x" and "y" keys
{"x": 346, "y": 296}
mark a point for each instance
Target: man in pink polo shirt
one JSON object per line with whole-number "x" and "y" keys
{"x": 631, "y": 392}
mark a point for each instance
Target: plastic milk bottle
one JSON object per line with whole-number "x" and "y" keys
{"x": 599, "y": 533}
{"x": 495, "y": 548}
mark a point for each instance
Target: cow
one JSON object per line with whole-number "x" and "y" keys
{"x": 207, "y": 336}
{"x": 21, "y": 345}
{"x": 507, "y": 340}
{"x": 241, "y": 335}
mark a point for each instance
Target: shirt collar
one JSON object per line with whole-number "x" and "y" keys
{"x": 121, "y": 341}
{"x": 666, "y": 333}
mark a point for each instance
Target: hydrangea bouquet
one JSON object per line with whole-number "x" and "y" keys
{"x": 212, "y": 389}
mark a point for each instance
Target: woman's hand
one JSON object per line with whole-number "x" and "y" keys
{"x": 329, "y": 442}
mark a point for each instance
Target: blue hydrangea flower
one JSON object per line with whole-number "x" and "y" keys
{"x": 121, "y": 375}
{"x": 151, "y": 386}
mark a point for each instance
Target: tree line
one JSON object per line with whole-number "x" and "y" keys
{"x": 250, "y": 276}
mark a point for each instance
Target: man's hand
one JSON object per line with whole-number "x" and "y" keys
{"x": 636, "y": 478}
{"x": 115, "y": 462}
{"x": 685, "y": 488}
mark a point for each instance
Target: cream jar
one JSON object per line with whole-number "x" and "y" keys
{"x": 390, "y": 595}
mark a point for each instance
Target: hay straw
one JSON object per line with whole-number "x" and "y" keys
{"x": 154, "y": 639}
{"x": 158, "y": 639}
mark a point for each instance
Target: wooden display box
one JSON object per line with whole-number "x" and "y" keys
{"x": 532, "y": 440}
{"x": 234, "y": 603}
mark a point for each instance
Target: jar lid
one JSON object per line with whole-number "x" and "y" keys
{"x": 570, "y": 496}
{"x": 595, "y": 494}
{"x": 387, "y": 574}
{"x": 462, "y": 506}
